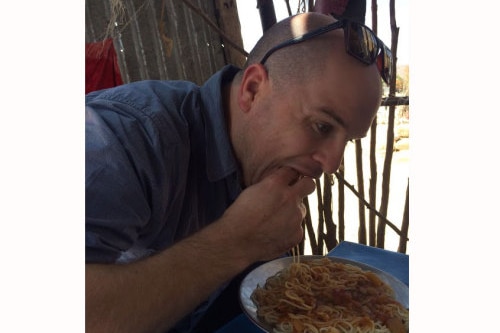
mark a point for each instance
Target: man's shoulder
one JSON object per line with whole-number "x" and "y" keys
{"x": 140, "y": 94}
{"x": 162, "y": 93}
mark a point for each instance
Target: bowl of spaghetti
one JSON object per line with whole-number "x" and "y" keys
{"x": 318, "y": 294}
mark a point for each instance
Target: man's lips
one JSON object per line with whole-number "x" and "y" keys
{"x": 308, "y": 172}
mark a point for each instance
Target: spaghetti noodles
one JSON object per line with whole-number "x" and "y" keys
{"x": 322, "y": 296}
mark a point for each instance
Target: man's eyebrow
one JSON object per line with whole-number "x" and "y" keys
{"x": 334, "y": 116}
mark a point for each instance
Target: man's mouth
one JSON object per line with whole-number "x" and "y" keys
{"x": 309, "y": 173}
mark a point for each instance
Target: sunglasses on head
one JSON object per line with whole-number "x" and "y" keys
{"x": 360, "y": 42}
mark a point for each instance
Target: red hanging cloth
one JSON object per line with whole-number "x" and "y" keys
{"x": 101, "y": 66}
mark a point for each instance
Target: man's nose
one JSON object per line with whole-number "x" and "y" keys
{"x": 330, "y": 156}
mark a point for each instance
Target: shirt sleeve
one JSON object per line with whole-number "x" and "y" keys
{"x": 116, "y": 205}
{"x": 137, "y": 159}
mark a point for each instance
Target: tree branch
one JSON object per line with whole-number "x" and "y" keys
{"x": 370, "y": 207}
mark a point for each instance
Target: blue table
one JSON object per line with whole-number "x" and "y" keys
{"x": 394, "y": 263}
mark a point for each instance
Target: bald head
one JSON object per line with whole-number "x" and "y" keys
{"x": 286, "y": 29}
{"x": 306, "y": 57}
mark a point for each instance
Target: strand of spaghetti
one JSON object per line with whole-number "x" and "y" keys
{"x": 296, "y": 254}
{"x": 297, "y": 305}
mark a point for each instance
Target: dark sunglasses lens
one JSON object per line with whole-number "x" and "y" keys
{"x": 361, "y": 43}
{"x": 386, "y": 68}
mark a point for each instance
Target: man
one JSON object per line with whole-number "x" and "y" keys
{"x": 188, "y": 186}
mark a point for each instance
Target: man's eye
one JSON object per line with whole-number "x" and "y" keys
{"x": 323, "y": 128}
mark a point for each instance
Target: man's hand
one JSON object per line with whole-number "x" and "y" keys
{"x": 267, "y": 216}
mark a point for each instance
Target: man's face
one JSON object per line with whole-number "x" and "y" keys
{"x": 307, "y": 126}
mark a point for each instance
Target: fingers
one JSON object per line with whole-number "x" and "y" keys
{"x": 304, "y": 186}
{"x": 303, "y": 210}
{"x": 291, "y": 178}
{"x": 286, "y": 176}
{"x": 295, "y": 185}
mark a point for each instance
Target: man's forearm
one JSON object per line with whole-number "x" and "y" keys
{"x": 153, "y": 294}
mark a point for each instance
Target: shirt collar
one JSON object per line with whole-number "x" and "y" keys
{"x": 220, "y": 159}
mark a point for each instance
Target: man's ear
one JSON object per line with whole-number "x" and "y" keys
{"x": 253, "y": 82}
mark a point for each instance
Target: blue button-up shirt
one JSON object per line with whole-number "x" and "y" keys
{"x": 158, "y": 166}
